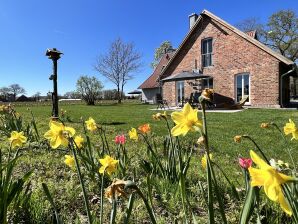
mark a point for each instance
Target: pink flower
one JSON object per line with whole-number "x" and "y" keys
{"x": 120, "y": 139}
{"x": 245, "y": 163}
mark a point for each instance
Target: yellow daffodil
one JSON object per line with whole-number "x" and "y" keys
{"x": 108, "y": 165}
{"x": 116, "y": 189}
{"x": 91, "y": 124}
{"x": 186, "y": 120}
{"x": 204, "y": 160}
{"x": 69, "y": 161}
{"x": 58, "y": 134}
{"x": 290, "y": 128}
{"x": 270, "y": 179}
{"x": 17, "y": 139}
{"x": 158, "y": 116}
{"x": 133, "y": 134}
{"x": 207, "y": 94}
{"x": 79, "y": 140}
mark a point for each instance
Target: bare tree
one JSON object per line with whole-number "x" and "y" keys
{"x": 250, "y": 24}
{"x": 119, "y": 64}
{"x": 4, "y": 92}
{"x": 36, "y": 96}
{"x": 89, "y": 88}
{"x": 15, "y": 90}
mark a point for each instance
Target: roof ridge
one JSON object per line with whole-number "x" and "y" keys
{"x": 235, "y": 30}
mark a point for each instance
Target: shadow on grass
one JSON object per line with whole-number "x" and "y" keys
{"x": 113, "y": 123}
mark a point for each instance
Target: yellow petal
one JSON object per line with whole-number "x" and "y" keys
{"x": 257, "y": 160}
{"x": 257, "y": 177}
{"x": 101, "y": 169}
{"x": 187, "y": 109}
{"x": 272, "y": 189}
{"x": 178, "y": 117}
{"x": 177, "y": 130}
{"x": 71, "y": 131}
{"x": 284, "y": 204}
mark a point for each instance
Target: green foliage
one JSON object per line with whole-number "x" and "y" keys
{"x": 159, "y": 52}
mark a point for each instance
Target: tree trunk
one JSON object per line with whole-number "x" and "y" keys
{"x": 118, "y": 93}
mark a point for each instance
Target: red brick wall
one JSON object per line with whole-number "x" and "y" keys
{"x": 232, "y": 55}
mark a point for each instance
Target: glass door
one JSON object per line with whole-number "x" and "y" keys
{"x": 180, "y": 92}
{"x": 242, "y": 87}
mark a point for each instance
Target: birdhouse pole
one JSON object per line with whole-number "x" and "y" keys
{"x": 54, "y": 55}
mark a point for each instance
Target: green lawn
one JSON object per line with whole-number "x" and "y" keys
{"x": 117, "y": 119}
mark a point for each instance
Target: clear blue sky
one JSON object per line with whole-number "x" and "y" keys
{"x": 83, "y": 29}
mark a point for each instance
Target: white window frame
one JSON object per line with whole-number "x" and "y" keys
{"x": 210, "y": 53}
{"x": 242, "y": 86}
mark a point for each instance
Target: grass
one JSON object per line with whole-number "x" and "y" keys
{"x": 117, "y": 119}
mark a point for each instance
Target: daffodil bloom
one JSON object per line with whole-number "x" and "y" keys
{"x": 204, "y": 160}
{"x": 133, "y": 134}
{"x": 158, "y": 116}
{"x": 271, "y": 180}
{"x": 108, "y": 165}
{"x": 59, "y": 134}
{"x": 91, "y": 124}
{"x": 237, "y": 138}
{"x": 79, "y": 140}
{"x": 116, "y": 189}
{"x": 265, "y": 125}
{"x": 186, "y": 120}
{"x": 290, "y": 128}
{"x": 145, "y": 128}
{"x": 69, "y": 161}
{"x": 17, "y": 139}
{"x": 207, "y": 94}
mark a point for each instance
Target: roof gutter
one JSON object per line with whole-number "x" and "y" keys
{"x": 294, "y": 68}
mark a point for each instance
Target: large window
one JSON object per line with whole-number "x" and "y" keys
{"x": 242, "y": 86}
{"x": 206, "y": 52}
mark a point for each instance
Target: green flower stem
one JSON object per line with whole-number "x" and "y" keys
{"x": 154, "y": 155}
{"x": 209, "y": 171}
{"x": 81, "y": 180}
{"x": 149, "y": 209}
{"x": 114, "y": 209}
{"x": 101, "y": 198}
{"x": 259, "y": 149}
{"x": 286, "y": 143}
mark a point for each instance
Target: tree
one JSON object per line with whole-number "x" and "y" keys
{"x": 36, "y": 96}
{"x": 15, "y": 90}
{"x": 160, "y": 51}
{"x": 89, "y": 88}
{"x": 281, "y": 33}
{"x": 72, "y": 95}
{"x": 250, "y": 24}
{"x": 119, "y": 64}
{"x": 4, "y": 92}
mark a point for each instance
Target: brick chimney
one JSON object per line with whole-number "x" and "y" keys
{"x": 192, "y": 19}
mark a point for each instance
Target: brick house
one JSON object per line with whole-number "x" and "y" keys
{"x": 235, "y": 64}
{"x": 152, "y": 86}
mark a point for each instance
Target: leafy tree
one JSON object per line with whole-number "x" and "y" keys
{"x": 89, "y": 88}
{"x": 281, "y": 33}
{"x": 119, "y": 64}
{"x": 15, "y": 90}
{"x": 160, "y": 51}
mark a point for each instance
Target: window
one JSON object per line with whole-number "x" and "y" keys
{"x": 206, "y": 52}
{"x": 208, "y": 83}
{"x": 242, "y": 86}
